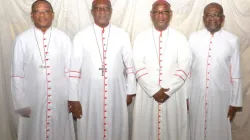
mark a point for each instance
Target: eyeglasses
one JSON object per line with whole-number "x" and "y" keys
{"x": 214, "y": 16}
{"x": 106, "y": 9}
{"x": 165, "y": 12}
{"x": 39, "y": 12}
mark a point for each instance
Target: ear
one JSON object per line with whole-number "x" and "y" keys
{"x": 151, "y": 14}
{"x": 53, "y": 16}
{"x": 170, "y": 14}
{"x": 223, "y": 18}
{"x": 111, "y": 11}
{"x": 204, "y": 19}
{"x": 92, "y": 12}
{"x": 31, "y": 15}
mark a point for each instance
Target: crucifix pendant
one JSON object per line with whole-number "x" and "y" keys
{"x": 103, "y": 69}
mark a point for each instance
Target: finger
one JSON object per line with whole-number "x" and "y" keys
{"x": 29, "y": 112}
{"x": 76, "y": 115}
{"x": 230, "y": 118}
{"x": 161, "y": 100}
{"x": 25, "y": 115}
{"x": 166, "y": 90}
{"x": 69, "y": 107}
{"x": 228, "y": 114}
{"x": 79, "y": 116}
{"x": 158, "y": 99}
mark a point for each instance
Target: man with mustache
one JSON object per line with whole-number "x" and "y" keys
{"x": 102, "y": 81}
{"x": 161, "y": 60}
{"x": 39, "y": 82}
{"x": 215, "y": 82}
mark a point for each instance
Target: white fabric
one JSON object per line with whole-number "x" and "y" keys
{"x": 133, "y": 16}
{"x": 160, "y": 61}
{"x": 215, "y": 83}
{"x": 103, "y": 98}
{"x": 38, "y": 88}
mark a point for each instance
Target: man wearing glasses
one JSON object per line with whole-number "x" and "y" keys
{"x": 161, "y": 61}
{"x": 102, "y": 81}
{"x": 39, "y": 82}
{"x": 215, "y": 82}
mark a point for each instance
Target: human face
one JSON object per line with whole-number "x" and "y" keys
{"x": 42, "y": 15}
{"x": 213, "y": 18}
{"x": 160, "y": 16}
{"x": 101, "y": 12}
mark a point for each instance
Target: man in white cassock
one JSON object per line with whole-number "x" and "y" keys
{"x": 215, "y": 85}
{"x": 101, "y": 78}
{"x": 39, "y": 82}
{"x": 161, "y": 60}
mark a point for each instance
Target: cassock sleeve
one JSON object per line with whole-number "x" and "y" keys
{"x": 17, "y": 77}
{"x": 67, "y": 52}
{"x": 128, "y": 62}
{"x": 184, "y": 59}
{"x": 75, "y": 68}
{"x": 141, "y": 72}
{"x": 186, "y": 87}
{"x": 236, "y": 95}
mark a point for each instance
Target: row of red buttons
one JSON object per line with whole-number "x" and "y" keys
{"x": 206, "y": 92}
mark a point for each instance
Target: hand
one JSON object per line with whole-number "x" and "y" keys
{"x": 231, "y": 112}
{"x": 24, "y": 112}
{"x": 69, "y": 107}
{"x": 129, "y": 99}
{"x": 76, "y": 108}
{"x": 161, "y": 96}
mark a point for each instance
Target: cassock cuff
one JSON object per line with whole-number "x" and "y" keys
{"x": 73, "y": 98}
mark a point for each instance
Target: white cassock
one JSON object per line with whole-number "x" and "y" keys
{"x": 161, "y": 60}
{"x": 214, "y": 84}
{"x": 39, "y": 81}
{"x": 102, "y": 94}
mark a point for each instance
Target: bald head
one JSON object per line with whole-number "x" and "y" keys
{"x": 95, "y": 2}
{"x": 214, "y": 5}
{"x": 41, "y": 1}
{"x": 160, "y": 2}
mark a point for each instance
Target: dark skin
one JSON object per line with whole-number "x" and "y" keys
{"x": 161, "y": 15}
{"x": 213, "y": 17}
{"x": 130, "y": 99}
{"x": 213, "y": 20}
{"x": 101, "y": 12}
{"x": 161, "y": 95}
{"x": 42, "y": 15}
{"x": 76, "y": 108}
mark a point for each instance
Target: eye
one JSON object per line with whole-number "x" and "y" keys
{"x": 216, "y": 15}
{"x": 102, "y": 8}
{"x": 38, "y": 12}
{"x": 156, "y": 12}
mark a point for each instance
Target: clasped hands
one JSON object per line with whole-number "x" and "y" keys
{"x": 161, "y": 95}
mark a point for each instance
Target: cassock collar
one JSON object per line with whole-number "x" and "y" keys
{"x": 99, "y": 29}
{"x": 157, "y": 33}
{"x": 39, "y": 32}
{"x": 215, "y": 34}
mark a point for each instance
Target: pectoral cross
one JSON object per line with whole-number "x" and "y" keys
{"x": 103, "y": 69}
